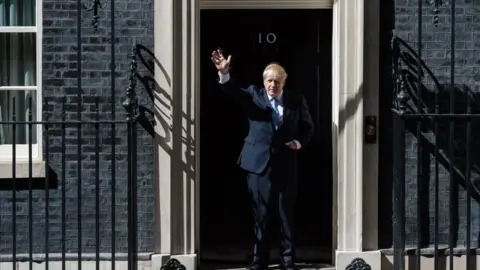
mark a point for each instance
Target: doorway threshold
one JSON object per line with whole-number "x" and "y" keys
{"x": 240, "y": 253}
{"x": 231, "y": 266}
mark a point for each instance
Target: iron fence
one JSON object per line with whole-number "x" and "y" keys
{"x": 58, "y": 136}
{"x": 46, "y": 124}
{"x": 433, "y": 153}
{"x": 58, "y": 128}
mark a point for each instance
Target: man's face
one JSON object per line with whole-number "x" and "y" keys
{"x": 273, "y": 83}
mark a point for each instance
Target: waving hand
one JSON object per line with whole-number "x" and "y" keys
{"x": 221, "y": 63}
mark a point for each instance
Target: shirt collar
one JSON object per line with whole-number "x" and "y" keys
{"x": 279, "y": 97}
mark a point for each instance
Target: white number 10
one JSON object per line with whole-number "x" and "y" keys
{"x": 270, "y": 38}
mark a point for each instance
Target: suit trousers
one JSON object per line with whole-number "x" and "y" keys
{"x": 273, "y": 194}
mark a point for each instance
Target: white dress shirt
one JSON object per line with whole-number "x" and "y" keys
{"x": 223, "y": 78}
{"x": 279, "y": 105}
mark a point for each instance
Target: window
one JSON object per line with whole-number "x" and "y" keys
{"x": 20, "y": 77}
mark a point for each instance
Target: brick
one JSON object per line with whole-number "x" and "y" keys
{"x": 436, "y": 52}
{"x": 60, "y": 80}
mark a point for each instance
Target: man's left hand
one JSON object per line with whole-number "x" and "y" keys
{"x": 292, "y": 145}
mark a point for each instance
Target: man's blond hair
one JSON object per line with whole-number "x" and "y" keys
{"x": 276, "y": 69}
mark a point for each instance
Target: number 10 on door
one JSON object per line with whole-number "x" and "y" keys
{"x": 268, "y": 38}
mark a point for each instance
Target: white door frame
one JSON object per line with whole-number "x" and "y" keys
{"x": 294, "y": 4}
{"x": 177, "y": 48}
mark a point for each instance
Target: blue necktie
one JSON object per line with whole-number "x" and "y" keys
{"x": 275, "y": 113}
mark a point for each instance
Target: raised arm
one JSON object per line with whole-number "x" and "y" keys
{"x": 224, "y": 79}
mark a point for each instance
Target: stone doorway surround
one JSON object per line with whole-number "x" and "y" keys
{"x": 355, "y": 95}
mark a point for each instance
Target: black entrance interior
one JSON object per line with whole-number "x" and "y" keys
{"x": 300, "y": 40}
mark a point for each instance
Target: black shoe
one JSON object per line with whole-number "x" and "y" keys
{"x": 290, "y": 266}
{"x": 257, "y": 266}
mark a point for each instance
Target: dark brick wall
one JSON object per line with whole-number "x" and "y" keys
{"x": 436, "y": 53}
{"x": 134, "y": 23}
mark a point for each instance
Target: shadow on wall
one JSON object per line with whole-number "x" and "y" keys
{"x": 393, "y": 51}
{"x": 466, "y": 101}
{"x": 36, "y": 183}
{"x": 146, "y": 116}
{"x": 174, "y": 135}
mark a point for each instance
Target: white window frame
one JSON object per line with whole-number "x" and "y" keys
{"x": 22, "y": 150}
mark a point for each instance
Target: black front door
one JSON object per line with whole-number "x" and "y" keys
{"x": 300, "y": 40}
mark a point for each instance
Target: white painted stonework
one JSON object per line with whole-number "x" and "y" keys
{"x": 355, "y": 94}
{"x": 264, "y": 4}
{"x": 176, "y": 43}
{"x": 73, "y": 265}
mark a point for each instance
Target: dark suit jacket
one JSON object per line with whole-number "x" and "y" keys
{"x": 263, "y": 143}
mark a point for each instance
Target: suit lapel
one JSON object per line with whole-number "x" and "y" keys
{"x": 267, "y": 104}
{"x": 265, "y": 99}
{"x": 286, "y": 106}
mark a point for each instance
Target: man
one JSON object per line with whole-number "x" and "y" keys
{"x": 279, "y": 125}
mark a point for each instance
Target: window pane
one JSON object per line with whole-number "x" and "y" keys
{"x": 18, "y": 59}
{"x": 17, "y": 12}
{"x": 21, "y": 112}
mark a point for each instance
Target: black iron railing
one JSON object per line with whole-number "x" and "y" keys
{"x": 55, "y": 126}
{"x": 75, "y": 212}
{"x": 433, "y": 147}
{"x": 76, "y": 147}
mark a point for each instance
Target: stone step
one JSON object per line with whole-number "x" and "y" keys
{"x": 302, "y": 266}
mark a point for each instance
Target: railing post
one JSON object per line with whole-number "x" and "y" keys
{"x": 399, "y": 178}
{"x": 131, "y": 106}
{"x": 399, "y": 192}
